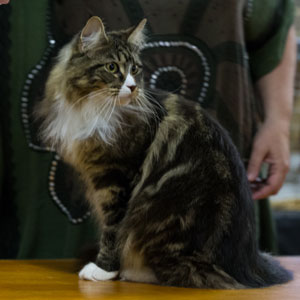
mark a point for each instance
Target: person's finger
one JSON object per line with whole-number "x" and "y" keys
{"x": 271, "y": 187}
{"x": 257, "y": 156}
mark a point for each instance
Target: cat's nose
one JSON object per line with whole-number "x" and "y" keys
{"x": 132, "y": 88}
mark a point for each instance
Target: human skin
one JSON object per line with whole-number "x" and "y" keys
{"x": 271, "y": 143}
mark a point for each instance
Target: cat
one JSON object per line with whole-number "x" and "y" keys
{"x": 163, "y": 178}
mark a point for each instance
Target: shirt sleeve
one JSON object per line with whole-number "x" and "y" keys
{"x": 267, "y": 23}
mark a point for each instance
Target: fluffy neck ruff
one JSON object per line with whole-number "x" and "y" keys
{"x": 67, "y": 124}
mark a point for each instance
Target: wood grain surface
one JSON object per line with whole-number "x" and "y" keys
{"x": 57, "y": 279}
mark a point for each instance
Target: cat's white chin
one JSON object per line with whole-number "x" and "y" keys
{"x": 125, "y": 100}
{"x": 92, "y": 272}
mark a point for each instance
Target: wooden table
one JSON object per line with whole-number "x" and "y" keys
{"x": 57, "y": 279}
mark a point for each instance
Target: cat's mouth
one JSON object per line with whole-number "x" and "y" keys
{"x": 127, "y": 95}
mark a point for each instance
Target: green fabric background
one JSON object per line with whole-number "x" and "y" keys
{"x": 44, "y": 232}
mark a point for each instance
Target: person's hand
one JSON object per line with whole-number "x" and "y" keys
{"x": 4, "y": 2}
{"x": 271, "y": 145}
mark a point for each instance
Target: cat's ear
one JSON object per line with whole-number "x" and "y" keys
{"x": 137, "y": 35}
{"x": 92, "y": 33}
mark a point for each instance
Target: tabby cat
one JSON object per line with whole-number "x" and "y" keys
{"x": 164, "y": 179}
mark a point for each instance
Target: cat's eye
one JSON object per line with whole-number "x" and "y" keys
{"x": 134, "y": 69}
{"x": 112, "y": 67}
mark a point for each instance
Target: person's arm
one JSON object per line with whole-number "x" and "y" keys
{"x": 271, "y": 143}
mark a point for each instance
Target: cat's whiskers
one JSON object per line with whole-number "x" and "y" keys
{"x": 105, "y": 104}
{"x": 150, "y": 99}
{"x": 89, "y": 96}
{"x": 148, "y": 94}
{"x": 119, "y": 101}
{"x": 143, "y": 107}
{"x": 113, "y": 108}
{"x": 146, "y": 114}
{"x": 109, "y": 111}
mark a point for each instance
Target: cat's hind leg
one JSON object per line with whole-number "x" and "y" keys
{"x": 186, "y": 271}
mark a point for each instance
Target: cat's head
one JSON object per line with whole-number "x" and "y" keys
{"x": 98, "y": 76}
{"x": 102, "y": 65}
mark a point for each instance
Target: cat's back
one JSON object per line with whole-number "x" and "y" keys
{"x": 203, "y": 165}
{"x": 187, "y": 123}
{"x": 191, "y": 167}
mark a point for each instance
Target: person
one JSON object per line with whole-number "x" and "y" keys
{"x": 239, "y": 64}
{"x": 271, "y": 143}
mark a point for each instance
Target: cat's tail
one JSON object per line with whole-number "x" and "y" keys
{"x": 190, "y": 271}
{"x": 266, "y": 272}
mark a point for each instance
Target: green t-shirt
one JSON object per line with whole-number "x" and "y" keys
{"x": 266, "y": 25}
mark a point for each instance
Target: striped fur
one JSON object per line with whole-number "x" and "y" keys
{"x": 165, "y": 182}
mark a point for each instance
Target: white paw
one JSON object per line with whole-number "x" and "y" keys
{"x": 94, "y": 273}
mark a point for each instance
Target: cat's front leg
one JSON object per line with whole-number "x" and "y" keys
{"x": 107, "y": 263}
{"x": 92, "y": 272}
{"x": 110, "y": 212}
